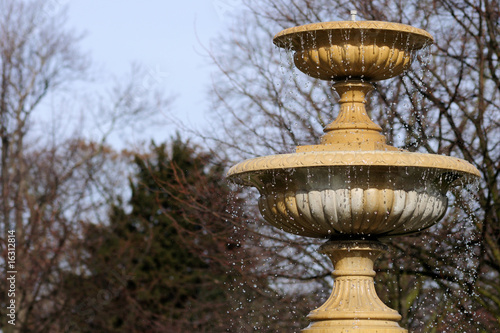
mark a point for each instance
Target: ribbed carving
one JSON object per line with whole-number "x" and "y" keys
{"x": 339, "y": 62}
{"x": 322, "y": 213}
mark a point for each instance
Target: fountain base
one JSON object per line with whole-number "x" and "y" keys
{"x": 355, "y": 326}
{"x": 354, "y": 305}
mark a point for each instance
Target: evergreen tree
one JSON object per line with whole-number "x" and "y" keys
{"x": 162, "y": 263}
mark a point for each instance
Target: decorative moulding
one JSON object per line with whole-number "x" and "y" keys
{"x": 354, "y": 158}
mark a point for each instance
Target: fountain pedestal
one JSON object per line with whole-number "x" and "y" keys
{"x": 353, "y": 305}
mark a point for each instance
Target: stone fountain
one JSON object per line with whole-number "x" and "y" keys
{"x": 352, "y": 188}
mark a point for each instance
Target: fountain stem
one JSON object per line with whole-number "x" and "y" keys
{"x": 352, "y": 102}
{"x": 353, "y": 305}
{"x": 353, "y": 129}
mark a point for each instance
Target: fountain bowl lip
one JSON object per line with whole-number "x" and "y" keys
{"x": 388, "y": 159}
{"x": 283, "y": 38}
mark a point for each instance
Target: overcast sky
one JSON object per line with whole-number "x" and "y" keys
{"x": 167, "y": 37}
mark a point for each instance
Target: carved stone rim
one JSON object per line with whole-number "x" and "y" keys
{"x": 354, "y": 158}
{"x": 282, "y": 38}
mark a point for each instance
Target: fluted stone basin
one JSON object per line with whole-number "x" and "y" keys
{"x": 371, "y": 193}
{"x": 369, "y": 50}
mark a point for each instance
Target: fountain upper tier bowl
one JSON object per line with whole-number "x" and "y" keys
{"x": 367, "y": 50}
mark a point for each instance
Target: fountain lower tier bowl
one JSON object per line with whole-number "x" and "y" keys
{"x": 341, "y": 193}
{"x": 367, "y": 50}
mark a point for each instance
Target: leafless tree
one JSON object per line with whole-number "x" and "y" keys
{"x": 51, "y": 182}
